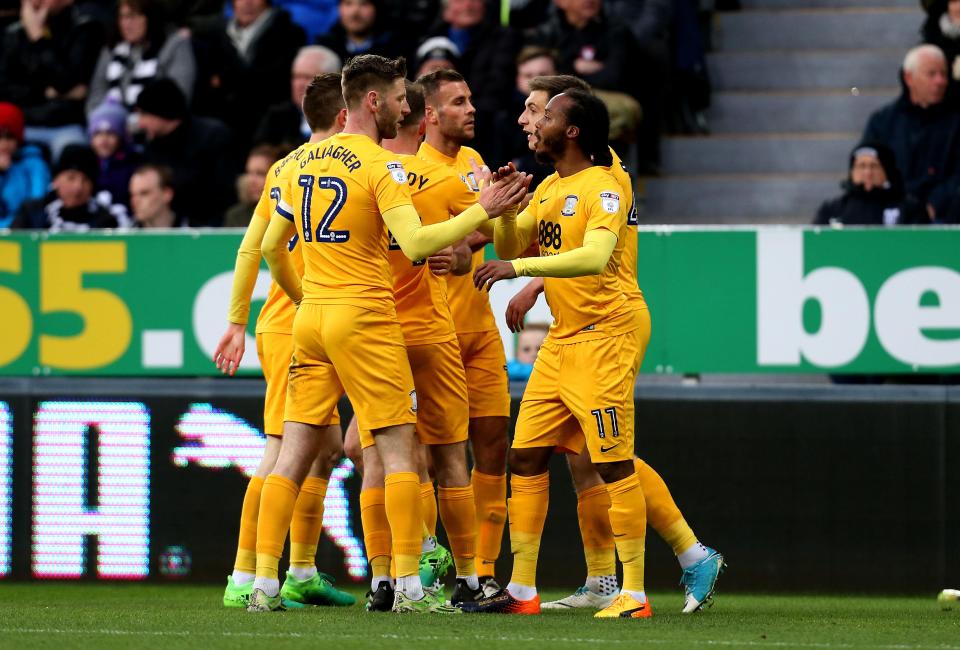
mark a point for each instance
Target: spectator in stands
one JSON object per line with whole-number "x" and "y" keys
{"x": 436, "y": 53}
{"x": 266, "y": 41}
{"x": 922, "y": 131}
{"x": 71, "y": 206}
{"x": 141, "y": 49}
{"x": 46, "y": 61}
{"x": 284, "y": 123}
{"x": 24, "y": 175}
{"x": 942, "y": 28}
{"x": 872, "y": 193}
{"x": 250, "y": 185}
{"x": 362, "y": 29}
{"x": 528, "y": 346}
{"x": 107, "y": 128}
{"x": 533, "y": 62}
{"x": 198, "y": 150}
{"x": 487, "y": 55}
{"x": 601, "y": 51}
{"x": 151, "y": 197}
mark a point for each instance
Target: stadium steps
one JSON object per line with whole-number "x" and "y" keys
{"x": 819, "y": 4}
{"x": 805, "y": 70}
{"x": 817, "y": 29}
{"x": 783, "y": 198}
{"x": 779, "y": 153}
{"x": 794, "y": 82}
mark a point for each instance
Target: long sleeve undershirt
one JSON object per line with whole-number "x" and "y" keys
{"x": 245, "y": 272}
{"x": 274, "y": 251}
{"x": 512, "y": 236}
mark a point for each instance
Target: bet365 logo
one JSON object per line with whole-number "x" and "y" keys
{"x": 915, "y": 312}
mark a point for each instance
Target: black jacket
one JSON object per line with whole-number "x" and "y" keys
{"x": 879, "y": 207}
{"x": 924, "y": 142}
{"x": 281, "y": 126}
{"x": 384, "y": 43}
{"x": 487, "y": 63}
{"x": 245, "y": 88}
{"x": 610, "y": 42}
{"x": 201, "y": 155}
{"x": 49, "y": 214}
{"x": 61, "y": 61}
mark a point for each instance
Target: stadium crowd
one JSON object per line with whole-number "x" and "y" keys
{"x": 209, "y": 94}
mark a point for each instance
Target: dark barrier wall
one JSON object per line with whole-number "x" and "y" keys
{"x": 802, "y": 488}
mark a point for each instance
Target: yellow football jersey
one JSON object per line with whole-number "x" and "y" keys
{"x": 341, "y": 187}
{"x": 564, "y": 209}
{"x": 276, "y": 315}
{"x": 628, "y": 260}
{"x": 421, "y": 296}
{"x": 471, "y": 308}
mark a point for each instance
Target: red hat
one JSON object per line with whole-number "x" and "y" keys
{"x": 11, "y": 120}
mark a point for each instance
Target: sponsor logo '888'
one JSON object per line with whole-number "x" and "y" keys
{"x": 549, "y": 235}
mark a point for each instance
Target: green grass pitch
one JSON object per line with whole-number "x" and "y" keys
{"x": 172, "y": 616}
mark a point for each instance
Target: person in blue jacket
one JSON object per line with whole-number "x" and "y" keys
{"x": 24, "y": 174}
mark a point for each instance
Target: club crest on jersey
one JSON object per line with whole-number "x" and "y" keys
{"x": 610, "y": 202}
{"x": 471, "y": 180}
{"x": 569, "y": 205}
{"x": 397, "y": 171}
{"x": 413, "y": 400}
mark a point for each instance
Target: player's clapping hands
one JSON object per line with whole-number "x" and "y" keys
{"x": 502, "y": 189}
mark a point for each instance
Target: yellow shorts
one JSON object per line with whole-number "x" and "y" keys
{"x": 274, "y": 351}
{"x": 583, "y": 391}
{"x": 486, "y": 367}
{"x": 339, "y": 348}
{"x": 441, "y": 394}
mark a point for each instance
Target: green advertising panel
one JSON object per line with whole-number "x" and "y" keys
{"x": 777, "y": 299}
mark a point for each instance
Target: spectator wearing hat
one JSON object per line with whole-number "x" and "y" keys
{"x": 198, "y": 150}
{"x": 142, "y": 49}
{"x": 71, "y": 206}
{"x": 284, "y": 123}
{"x": 46, "y": 61}
{"x": 487, "y": 54}
{"x": 151, "y": 197}
{"x": 873, "y": 193}
{"x": 922, "y": 130}
{"x": 107, "y": 128}
{"x": 361, "y": 29}
{"x": 24, "y": 174}
{"x": 436, "y": 53}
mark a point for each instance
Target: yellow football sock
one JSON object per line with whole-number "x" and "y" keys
{"x": 247, "y": 544}
{"x": 276, "y": 508}
{"x": 490, "y": 497}
{"x": 402, "y": 502}
{"x": 529, "y": 499}
{"x": 662, "y": 512}
{"x": 593, "y": 506}
{"x": 307, "y": 522}
{"x": 428, "y": 506}
{"x": 376, "y": 530}
{"x": 628, "y": 520}
{"x": 459, "y": 515}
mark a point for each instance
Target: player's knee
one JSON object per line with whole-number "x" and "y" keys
{"x": 353, "y": 450}
{"x": 529, "y": 462}
{"x": 613, "y": 472}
